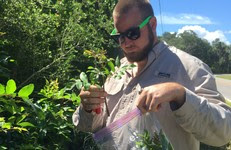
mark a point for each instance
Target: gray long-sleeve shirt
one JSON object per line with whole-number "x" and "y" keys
{"x": 204, "y": 117}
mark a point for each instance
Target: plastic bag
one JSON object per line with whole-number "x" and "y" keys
{"x": 126, "y": 131}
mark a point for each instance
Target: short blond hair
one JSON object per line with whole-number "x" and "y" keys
{"x": 124, "y": 6}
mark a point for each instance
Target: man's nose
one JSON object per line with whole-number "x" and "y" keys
{"x": 126, "y": 41}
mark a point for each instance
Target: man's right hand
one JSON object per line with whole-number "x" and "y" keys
{"x": 93, "y": 98}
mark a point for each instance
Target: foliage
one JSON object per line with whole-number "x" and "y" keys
{"x": 47, "y": 38}
{"x": 59, "y": 39}
{"x": 216, "y": 54}
{"x": 52, "y": 127}
{"x": 222, "y": 57}
{"x": 42, "y": 124}
{"x": 160, "y": 142}
{"x": 5, "y": 63}
{"x": 157, "y": 142}
{"x": 104, "y": 67}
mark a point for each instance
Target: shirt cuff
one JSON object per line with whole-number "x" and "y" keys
{"x": 83, "y": 120}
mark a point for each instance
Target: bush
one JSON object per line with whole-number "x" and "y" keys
{"x": 47, "y": 38}
{"x": 44, "y": 123}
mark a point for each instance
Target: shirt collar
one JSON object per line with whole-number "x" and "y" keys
{"x": 152, "y": 56}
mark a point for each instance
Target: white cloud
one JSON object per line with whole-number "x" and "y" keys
{"x": 203, "y": 33}
{"x": 189, "y": 19}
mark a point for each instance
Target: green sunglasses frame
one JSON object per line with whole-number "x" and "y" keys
{"x": 114, "y": 32}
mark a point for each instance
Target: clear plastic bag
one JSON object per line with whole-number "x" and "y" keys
{"x": 124, "y": 133}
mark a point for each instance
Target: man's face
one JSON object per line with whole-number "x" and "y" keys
{"x": 135, "y": 50}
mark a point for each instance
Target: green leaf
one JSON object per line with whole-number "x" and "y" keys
{"x": 10, "y": 87}
{"x": 90, "y": 67}
{"x": 78, "y": 84}
{"x": 12, "y": 119}
{"x": 26, "y": 124}
{"x": 83, "y": 77}
{"x": 92, "y": 78}
{"x": 12, "y": 60}
{"x": 20, "y": 129}
{"x": 75, "y": 98}
{"x": 10, "y": 108}
{"x": 170, "y": 146}
{"x": 60, "y": 93}
{"x": 26, "y": 90}
{"x": 125, "y": 66}
{"x": 2, "y": 119}
{"x": 111, "y": 65}
{"x": 117, "y": 61}
{"x": 2, "y": 89}
{"x": 132, "y": 66}
{"x": 164, "y": 141}
{"x": 22, "y": 109}
{"x": 67, "y": 96}
{"x": 6, "y": 125}
{"x": 3, "y": 147}
{"x": 21, "y": 118}
{"x": 106, "y": 71}
{"x": 86, "y": 86}
{"x": 69, "y": 86}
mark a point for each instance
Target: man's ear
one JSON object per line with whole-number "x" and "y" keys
{"x": 153, "y": 23}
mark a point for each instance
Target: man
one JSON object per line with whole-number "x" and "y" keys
{"x": 175, "y": 91}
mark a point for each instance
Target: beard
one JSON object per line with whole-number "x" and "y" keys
{"x": 143, "y": 54}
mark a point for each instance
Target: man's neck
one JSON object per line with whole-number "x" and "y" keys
{"x": 139, "y": 67}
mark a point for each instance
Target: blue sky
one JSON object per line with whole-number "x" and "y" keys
{"x": 210, "y": 19}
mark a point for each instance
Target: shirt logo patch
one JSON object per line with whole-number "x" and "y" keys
{"x": 163, "y": 75}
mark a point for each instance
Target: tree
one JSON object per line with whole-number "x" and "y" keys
{"x": 222, "y": 53}
{"x": 47, "y": 38}
{"x": 217, "y": 54}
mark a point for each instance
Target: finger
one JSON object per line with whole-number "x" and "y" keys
{"x": 154, "y": 106}
{"x": 96, "y": 88}
{"x": 91, "y": 107}
{"x": 140, "y": 103}
{"x": 87, "y": 94}
{"x": 148, "y": 102}
{"x": 93, "y": 101}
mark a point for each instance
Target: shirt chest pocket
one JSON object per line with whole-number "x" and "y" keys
{"x": 113, "y": 86}
{"x": 114, "y": 89}
{"x": 158, "y": 77}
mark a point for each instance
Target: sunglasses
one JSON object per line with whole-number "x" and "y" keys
{"x": 132, "y": 33}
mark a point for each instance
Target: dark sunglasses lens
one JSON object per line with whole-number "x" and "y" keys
{"x": 133, "y": 34}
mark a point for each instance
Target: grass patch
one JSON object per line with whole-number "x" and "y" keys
{"x": 227, "y": 76}
{"x": 228, "y": 102}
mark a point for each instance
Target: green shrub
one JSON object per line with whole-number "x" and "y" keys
{"x": 47, "y": 38}
{"x": 45, "y": 123}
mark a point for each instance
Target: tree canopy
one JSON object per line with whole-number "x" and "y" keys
{"x": 216, "y": 54}
{"x": 46, "y": 39}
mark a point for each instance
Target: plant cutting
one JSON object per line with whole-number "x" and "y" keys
{"x": 97, "y": 73}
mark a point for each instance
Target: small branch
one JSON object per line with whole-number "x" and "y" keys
{"x": 105, "y": 101}
{"x": 44, "y": 68}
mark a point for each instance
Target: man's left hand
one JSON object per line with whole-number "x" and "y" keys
{"x": 153, "y": 96}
